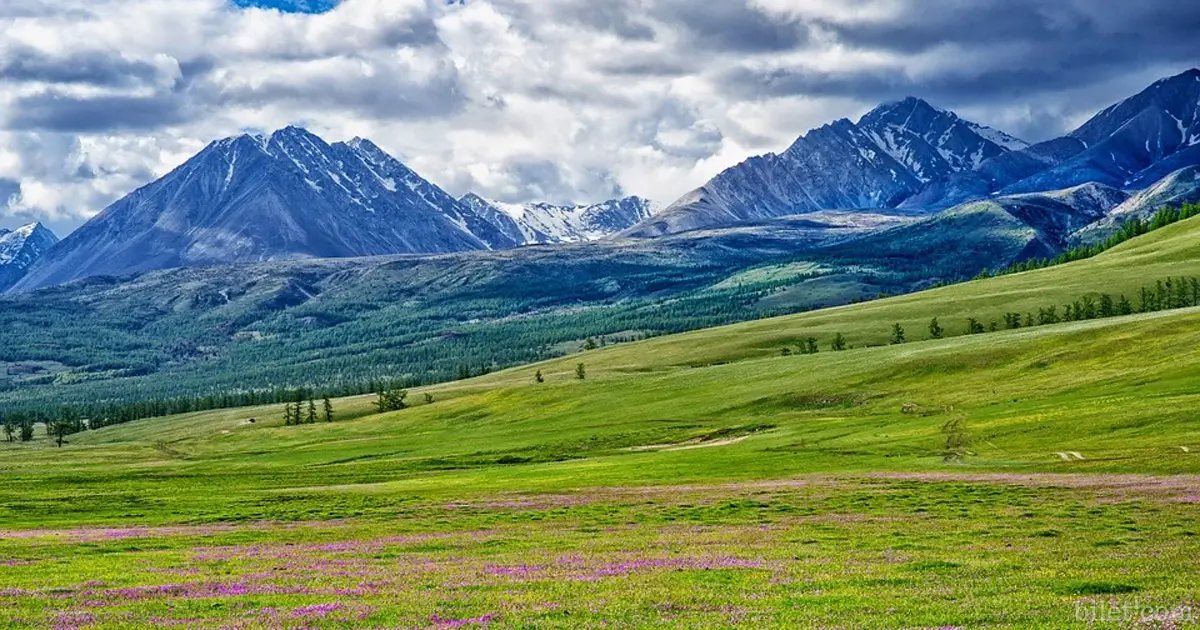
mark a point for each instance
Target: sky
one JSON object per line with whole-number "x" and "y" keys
{"x": 564, "y": 101}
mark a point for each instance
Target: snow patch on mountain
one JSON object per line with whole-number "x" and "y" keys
{"x": 20, "y": 249}
{"x": 543, "y": 223}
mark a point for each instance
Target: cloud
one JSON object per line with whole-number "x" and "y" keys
{"x": 55, "y": 111}
{"x": 31, "y": 65}
{"x": 524, "y": 100}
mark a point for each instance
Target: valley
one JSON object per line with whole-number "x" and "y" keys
{"x": 1040, "y": 473}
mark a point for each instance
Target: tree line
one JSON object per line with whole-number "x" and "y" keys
{"x": 1166, "y": 294}
{"x": 1130, "y": 229}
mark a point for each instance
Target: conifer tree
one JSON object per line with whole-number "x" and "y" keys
{"x": 935, "y": 330}
{"x": 580, "y": 372}
{"x": 839, "y": 342}
{"x": 1124, "y": 306}
{"x": 1108, "y": 307}
{"x": 391, "y": 400}
{"x": 328, "y": 410}
{"x": 1183, "y": 293}
{"x": 898, "y": 335}
{"x": 312, "y": 412}
{"x": 811, "y": 345}
{"x": 538, "y": 377}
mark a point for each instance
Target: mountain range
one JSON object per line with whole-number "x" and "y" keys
{"x": 912, "y": 155}
{"x": 291, "y": 195}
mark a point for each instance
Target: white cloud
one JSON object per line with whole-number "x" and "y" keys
{"x": 562, "y": 100}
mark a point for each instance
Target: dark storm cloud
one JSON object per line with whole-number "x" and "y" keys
{"x": 58, "y": 112}
{"x": 732, "y": 26}
{"x": 388, "y": 95}
{"x": 925, "y": 24}
{"x": 618, "y": 17}
{"x": 415, "y": 32}
{"x": 11, "y": 9}
{"x": 641, "y": 66}
{"x": 105, "y": 70}
{"x": 542, "y": 180}
{"x": 1009, "y": 49}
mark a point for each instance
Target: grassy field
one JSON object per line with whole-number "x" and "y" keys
{"x": 1036, "y": 478}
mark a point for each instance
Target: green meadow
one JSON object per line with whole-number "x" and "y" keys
{"x": 1039, "y": 477}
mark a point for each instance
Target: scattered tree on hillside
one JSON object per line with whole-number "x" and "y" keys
{"x": 1183, "y": 293}
{"x": 311, "y": 418}
{"x": 538, "y": 377}
{"x": 59, "y": 430}
{"x": 327, "y": 416}
{"x": 957, "y": 439}
{"x": 935, "y": 329}
{"x": 898, "y": 335}
{"x": 787, "y": 352}
{"x": 27, "y": 431}
{"x": 428, "y": 398}
{"x": 974, "y": 327}
{"x": 1108, "y": 307}
{"x": 391, "y": 400}
{"x": 580, "y": 372}
{"x": 810, "y": 346}
{"x": 10, "y": 429}
{"x": 839, "y": 342}
{"x": 590, "y": 344}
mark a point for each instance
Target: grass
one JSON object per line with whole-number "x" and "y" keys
{"x": 700, "y": 480}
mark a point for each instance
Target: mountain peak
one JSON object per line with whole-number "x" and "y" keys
{"x": 20, "y": 249}
{"x": 1175, "y": 99}
{"x": 908, "y": 104}
{"x": 254, "y": 198}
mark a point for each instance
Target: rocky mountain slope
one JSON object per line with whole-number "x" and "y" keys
{"x": 542, "y": 223}
{"x": 253, "y": 198}
{"x": 889, "y": 155}
{"x": 1178, "y": 188}
{"x": 914, "y": 156}
{"x": 20, "y": 249}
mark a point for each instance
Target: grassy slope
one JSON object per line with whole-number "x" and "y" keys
{"x": 1115, "y": 390}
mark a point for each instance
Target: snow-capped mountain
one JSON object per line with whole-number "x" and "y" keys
{"x": 1178, "y": 188}
{"x": 1133, "y": 143}
{"x": 540, "y": 223}
{"x": 932, "y": 142}
{"x": 890, "y": 154}
{"x": 251, "y": 198}
{"x": 1130, "y": 145}
{"x": 21, "y": 248}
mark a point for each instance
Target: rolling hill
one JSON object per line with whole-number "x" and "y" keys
{"x": 1029, "y": 470}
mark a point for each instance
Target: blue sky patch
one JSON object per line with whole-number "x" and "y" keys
{"x": 290, "y": 6}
